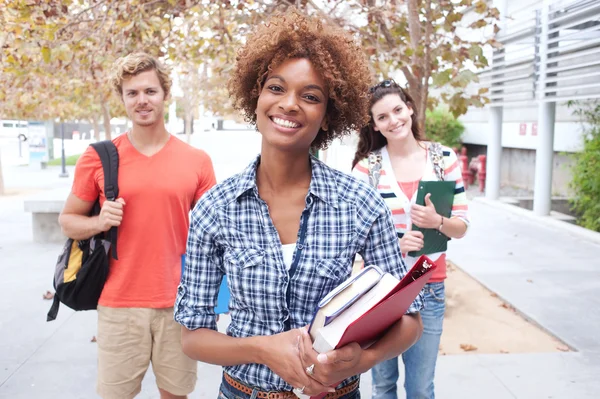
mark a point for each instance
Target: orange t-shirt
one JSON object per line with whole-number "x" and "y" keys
{"x": 159, "y": 191}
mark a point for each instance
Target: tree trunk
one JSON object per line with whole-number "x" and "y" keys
{"x": 96, "y": 128}
{"x": 106, "y": 118}
{"x": 417, "y": 74}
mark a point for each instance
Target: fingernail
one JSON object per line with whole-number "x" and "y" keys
{"x": 322, "y": 358}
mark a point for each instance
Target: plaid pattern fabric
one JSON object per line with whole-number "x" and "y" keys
{"x": 232, "y": 233}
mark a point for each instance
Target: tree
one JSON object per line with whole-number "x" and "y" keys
{"x": 57, "y": 54}
{"x": 429, "y": 42}
{"x": 586, "y": 180}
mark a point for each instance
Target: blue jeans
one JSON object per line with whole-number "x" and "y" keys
{"x": 226, "y": 391}
{"x": 419, "y": 360}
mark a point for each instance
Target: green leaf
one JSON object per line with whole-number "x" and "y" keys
{"x": 442, "y": 78}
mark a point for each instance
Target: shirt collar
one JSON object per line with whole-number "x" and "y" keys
{"x": 322, "y": 183}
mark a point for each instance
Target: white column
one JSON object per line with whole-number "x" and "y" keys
{"x": 494, "y": 147}
{"x": 494, "y": 154}
{"x": 544, "y": 159}
{"x": 544, "y": 154}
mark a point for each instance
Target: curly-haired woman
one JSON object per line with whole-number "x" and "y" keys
{"x": 286, "y": 229}
{"x": 392, "y": 143}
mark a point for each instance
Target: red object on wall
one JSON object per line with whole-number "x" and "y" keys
{"x": 522, "y": 129}
{"x": 464, "y": 166}
{"x": 481, "y": 174}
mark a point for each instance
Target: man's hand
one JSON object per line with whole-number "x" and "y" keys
{"x": 332, "y": 367}
{"x": 411, "y": 241}
{"x": 426, "y": 216}
{"x": 281, "y": 355}
{"x": 111, "y": 214}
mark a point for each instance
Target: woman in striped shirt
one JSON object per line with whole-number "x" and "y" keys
{"x": 393, "y": 136}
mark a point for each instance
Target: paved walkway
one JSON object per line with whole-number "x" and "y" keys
{"x": 504, "y": 249}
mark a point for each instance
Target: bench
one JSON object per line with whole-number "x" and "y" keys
{"x": 45, "y": 209}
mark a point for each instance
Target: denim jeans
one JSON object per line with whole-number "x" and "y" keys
{"x": 228, "y": 392}
{"x": 419, "y": 360}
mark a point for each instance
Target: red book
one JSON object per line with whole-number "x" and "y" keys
{"x": 376, "y": 320}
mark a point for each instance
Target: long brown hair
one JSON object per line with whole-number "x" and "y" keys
{"x": 370, "y": 139}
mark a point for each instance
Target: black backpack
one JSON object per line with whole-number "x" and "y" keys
{"x": 82, "y": 266}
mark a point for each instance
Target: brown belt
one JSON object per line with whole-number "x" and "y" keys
{"x": 286, "y": 394}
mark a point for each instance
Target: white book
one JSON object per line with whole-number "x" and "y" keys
{"x": 326, "y": 337}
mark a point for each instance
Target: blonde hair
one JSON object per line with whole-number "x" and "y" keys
{"x": 136, "y": 63}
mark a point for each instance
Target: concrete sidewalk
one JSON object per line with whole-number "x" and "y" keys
{"x": 503, "y": 250}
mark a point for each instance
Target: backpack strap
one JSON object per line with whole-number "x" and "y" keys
{"x": 374, "y": 168}
{"x": 109, "y": 156}
{"x": 437, "y": 156}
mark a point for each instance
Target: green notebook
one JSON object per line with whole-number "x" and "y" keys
{"x": 442, "y": 196}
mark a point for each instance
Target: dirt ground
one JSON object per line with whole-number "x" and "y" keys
{"x": 477, "y": 321}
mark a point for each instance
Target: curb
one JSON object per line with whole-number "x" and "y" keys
{"x": 550, "y": 221}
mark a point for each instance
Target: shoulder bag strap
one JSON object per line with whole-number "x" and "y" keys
{"x": 109, "y": 156}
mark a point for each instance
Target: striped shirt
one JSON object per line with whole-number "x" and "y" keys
{"x": 400, "y": 204}
{"x": 231, "y": 233}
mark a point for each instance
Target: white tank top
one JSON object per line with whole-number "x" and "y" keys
{"x": 288, "y": 254}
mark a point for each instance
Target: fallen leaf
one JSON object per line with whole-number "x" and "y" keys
{"x": 93, "y": 339}
{"x": 507, "y": 306}
{"x": 48, "y": 295}
{"x": 494, "y": 295}
{"x": 563, "y": 348}
{"x": 468, "y": 347}
{"x": 529, "y": 280}
{"x": 504, "y": 351}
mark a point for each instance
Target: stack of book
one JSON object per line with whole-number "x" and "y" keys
{"x": 365, "y": 306}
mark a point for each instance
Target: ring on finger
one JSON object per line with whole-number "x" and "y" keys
{"x": 310, "y": 370}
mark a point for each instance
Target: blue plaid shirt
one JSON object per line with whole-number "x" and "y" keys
{"x": 232, "y": 233}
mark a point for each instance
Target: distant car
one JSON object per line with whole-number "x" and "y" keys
{"x": 14, "y": 129}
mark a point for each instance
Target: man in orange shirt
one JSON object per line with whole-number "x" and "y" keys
{"x": 160, "y": 180}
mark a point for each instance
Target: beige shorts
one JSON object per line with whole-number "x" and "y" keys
{"x": 128, "y": 340}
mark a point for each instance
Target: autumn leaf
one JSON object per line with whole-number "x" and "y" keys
{"x": 48, "y": 295}
{"x": 507, "y": 306}
{"x": 468, "y": 347}
{"x": 46, "y": 54}
{"x": 93, "y": 339}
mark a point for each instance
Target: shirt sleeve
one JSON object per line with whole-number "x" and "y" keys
{"x": 203, "y": 272}
{"x": 453, "y": 171}
{"x": 206, "y": 179}
{"x": 87, "y": 174}
{"x": 382, "y": 248}
{"x": 361, "y": 171}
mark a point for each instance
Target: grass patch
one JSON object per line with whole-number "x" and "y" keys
{"x": 70, "y": 160}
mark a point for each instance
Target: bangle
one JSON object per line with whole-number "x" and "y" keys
{"x": 441, "y": 224}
